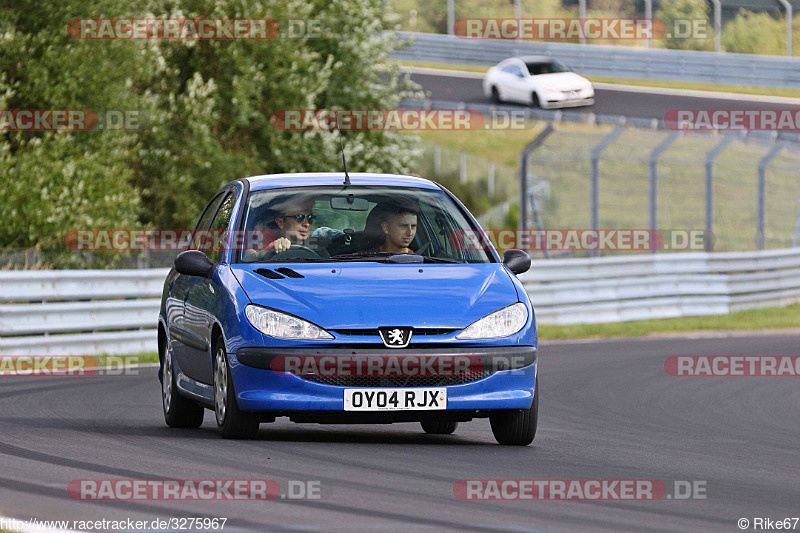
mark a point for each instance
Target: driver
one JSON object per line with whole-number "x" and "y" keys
{"x": 295, "y": 225}
{"x": 292, "y": 222}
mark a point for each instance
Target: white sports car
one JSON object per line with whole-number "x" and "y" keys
{"x": 539, "y": 81}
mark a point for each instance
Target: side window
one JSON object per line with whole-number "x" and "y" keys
{"x": 218, "y": 228}
{"x": 205, "y": 221}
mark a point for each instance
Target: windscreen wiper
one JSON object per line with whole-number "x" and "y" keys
{"x": 432, "y": 259}
{"x": 362, "y": 255}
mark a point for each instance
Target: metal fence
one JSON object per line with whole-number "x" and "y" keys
{"x": 68, "y": 312}
{"x": 742, "y": 191}
{"x": 590, "y": 171}
{"x": 64, "y": 312}
{"x": 617, "y": 61}
{"x": 615, "y": 289}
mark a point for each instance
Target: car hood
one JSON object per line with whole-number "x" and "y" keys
{"x": 561, "y": 81}
{"x": 371, "y": 295}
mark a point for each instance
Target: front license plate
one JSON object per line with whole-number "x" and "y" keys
{"x": 395, "y": 399}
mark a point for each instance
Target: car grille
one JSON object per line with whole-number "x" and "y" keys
{"x": 398, "y": 381}
{"x": 417, "y": 332}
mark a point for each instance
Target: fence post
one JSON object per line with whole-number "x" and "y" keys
{"x": 462, "y": 167}
{"x": 654, "y": 155}
{"x": 437, "y": 160}
{"x": 762, "y": 192}
{"x": 717, "y": 25}
{"x": 490, "y": 179}
{"x": 788, "y": 7}
{"x": 796, "y": 228}
{"x": 710, "y": 156}
{"x": 451, "y": 16}
{"x": 648, "y": 14}
{"x": 596, "y": 151}
{"x": 582, "y": 16}
{"x": 523, "y": 174}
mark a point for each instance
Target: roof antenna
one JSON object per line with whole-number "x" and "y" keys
{"x": 344, "y": 161}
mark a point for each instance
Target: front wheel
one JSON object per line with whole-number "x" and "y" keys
{"x": 436, "y": 427}
{"x": 179, "y": 412}
{"x": 231, "y": 422}
{"x": 535, "y": 100}
{"x": 495, "y": 95}
{"x": 516, "y": 427}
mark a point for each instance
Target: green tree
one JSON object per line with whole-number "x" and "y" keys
{"x": 204, "y": 109}
{"x": 681, "y": 18}
{"x": 758, "y": 33}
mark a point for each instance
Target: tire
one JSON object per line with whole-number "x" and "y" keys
{"x": 535, "y": 100}
{"x": 231, "y": 422}
{"x": 436, "y": 427}
{"x": 179, "y": 412}
{"x": 516, "y": 427}
{"x": 495, "y": 95}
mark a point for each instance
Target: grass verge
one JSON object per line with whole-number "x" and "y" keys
{"x": 766, "y": 318}
{"x": 666, "y": 84}
{"x": 131, "y": 359}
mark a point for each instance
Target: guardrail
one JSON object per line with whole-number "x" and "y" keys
{"x": 89, "y": 312}
{"x": 63, "y": 312}
{"x": 618, "y": 61}
{"x": 620, "y": 288}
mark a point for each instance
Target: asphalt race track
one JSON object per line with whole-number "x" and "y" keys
{"x": 608, "y": 411}
{"x": 634, "y": 102}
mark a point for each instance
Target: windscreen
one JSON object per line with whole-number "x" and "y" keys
{"x": 359, "y": 223}
{"x": 552, "y": 67}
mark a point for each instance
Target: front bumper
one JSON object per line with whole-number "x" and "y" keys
{"x": 510, "y": 385}
{"x": 567, "y": 102}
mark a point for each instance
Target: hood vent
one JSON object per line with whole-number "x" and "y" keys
{"x": 289, "y": 273}
{"x": 267, "y": 273}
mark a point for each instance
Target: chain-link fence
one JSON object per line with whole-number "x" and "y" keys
{"x": 666, "y": 181}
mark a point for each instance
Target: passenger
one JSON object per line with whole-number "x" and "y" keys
{"x": 399, "y": 225}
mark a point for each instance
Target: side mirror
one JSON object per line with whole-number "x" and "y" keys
{"x": 193, "y": 263}
{"x": 517, "y": 261}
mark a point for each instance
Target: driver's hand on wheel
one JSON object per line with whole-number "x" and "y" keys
{"x": 282, "y": 244}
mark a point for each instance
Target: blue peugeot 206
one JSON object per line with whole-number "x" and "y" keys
{"x": 335, "y": 298}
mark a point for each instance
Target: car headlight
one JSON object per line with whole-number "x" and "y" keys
{"x": 502, "y": 323}
{"x": 283, "y": 326}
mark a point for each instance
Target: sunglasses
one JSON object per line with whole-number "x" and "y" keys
{"x": 301, "y": 217}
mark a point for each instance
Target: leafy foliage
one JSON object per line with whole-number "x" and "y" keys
{"x": 203, "y": 108}
{"x": 759, "y": 33}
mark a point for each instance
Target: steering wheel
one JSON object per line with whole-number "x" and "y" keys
{"x": 295, "y": 251}
{"x": 422, "y": 249}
